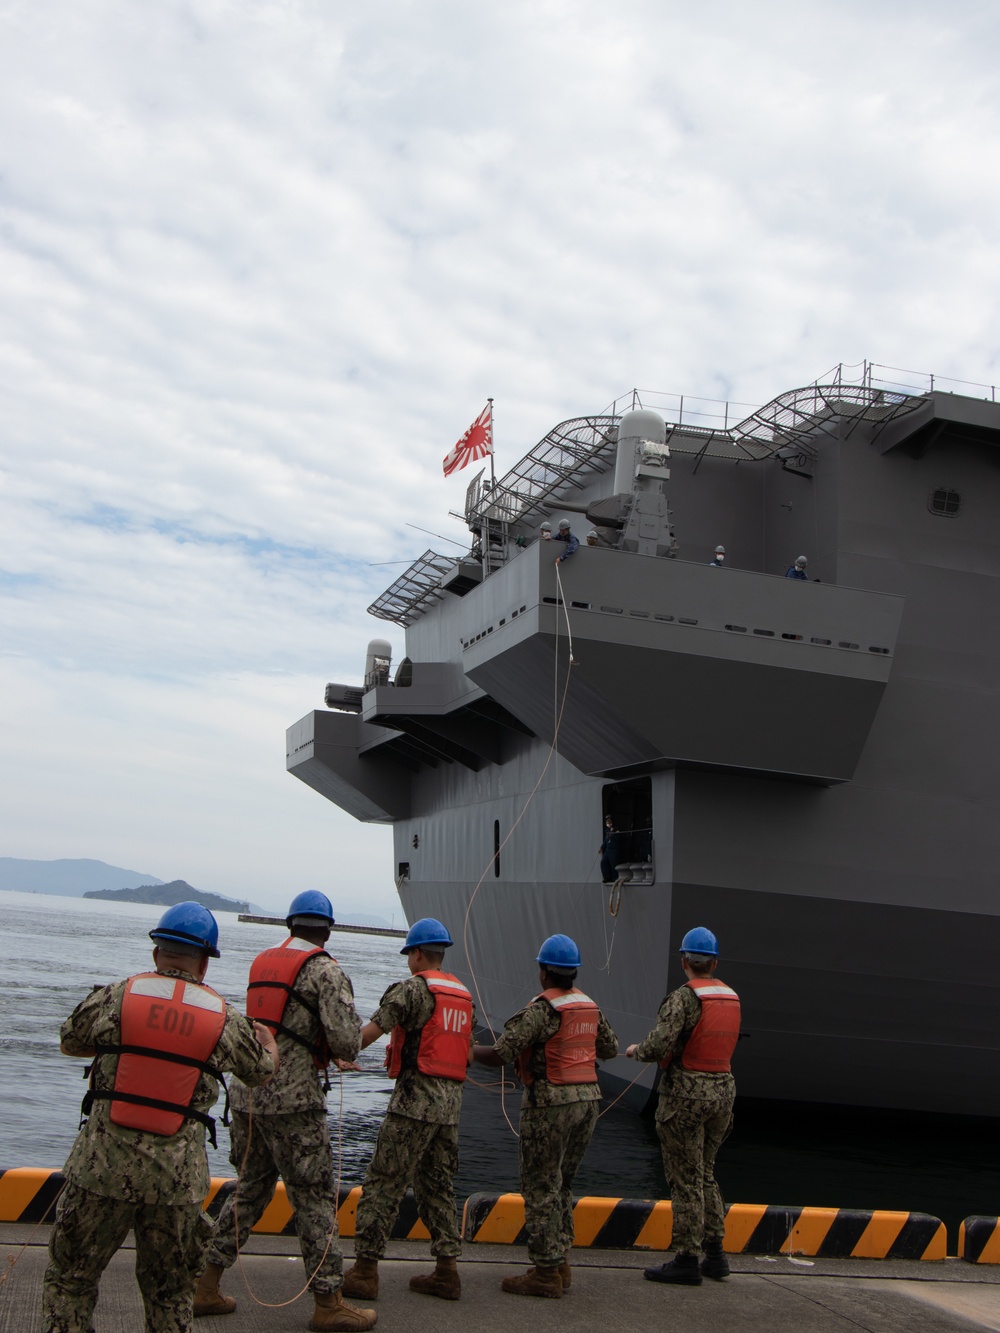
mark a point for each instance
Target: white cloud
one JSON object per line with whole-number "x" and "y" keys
{"x": 262, "y": 263}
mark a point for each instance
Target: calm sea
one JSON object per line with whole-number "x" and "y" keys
{"x": 55, "y": 949}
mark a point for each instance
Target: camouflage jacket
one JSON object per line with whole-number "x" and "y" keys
{"x": 675, "y": 1021}
{"x": 533, "y": 1026}
{"x": 297, "y": 1085}
{"x": 131, "y": 1164}
{"x": 436, "y": 1101}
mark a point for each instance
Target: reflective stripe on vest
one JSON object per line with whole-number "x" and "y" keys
{"x": 571, "y": 1052}
{"x": 442, "y": 1049}
{"x": 709, "y": 1048}
{"x": 273, "y": 974}
{"x": 169, "y": 1028}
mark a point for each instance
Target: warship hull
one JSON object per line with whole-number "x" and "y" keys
{"x": 810, "y": 768}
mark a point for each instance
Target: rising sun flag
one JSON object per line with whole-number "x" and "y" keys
{"x": 476, "y": 443}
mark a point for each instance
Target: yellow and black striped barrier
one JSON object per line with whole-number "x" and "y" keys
{"x": 643, "y": 1224}
{"x": 278, "y": 1218}
{"x": 27, "y": 1194}
{"x": 979, "y": 1240}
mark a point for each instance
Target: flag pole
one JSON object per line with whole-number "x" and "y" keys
{"x": 493, "y": 475}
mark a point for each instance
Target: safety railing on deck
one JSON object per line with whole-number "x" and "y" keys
{"x": 873, "y": 375}
{"x": 789, "y": 426}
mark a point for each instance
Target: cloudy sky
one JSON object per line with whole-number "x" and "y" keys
{"x": 262, "y": 261}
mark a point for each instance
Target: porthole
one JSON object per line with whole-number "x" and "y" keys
{"x": 944, "y": 501}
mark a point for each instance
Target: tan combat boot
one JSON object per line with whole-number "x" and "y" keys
{"x": 443, "y": 1282}
{"x": 535, "y": 1282}
{"x": 333, "y": 1315}
{"x": 566, "y": 1273}
{"x": 208, "y": 1299}
{"x": 362, "y": 1280}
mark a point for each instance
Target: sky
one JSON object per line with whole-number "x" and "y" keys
{"x": 263, "y": 261}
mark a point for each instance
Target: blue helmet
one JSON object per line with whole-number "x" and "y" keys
{"x": 189, "y": 923}
{"x": 700, "y": 940}
{"x": 428, "y": 930}
{"x": 310, "y": 903}
{"x": 559, "y": 951}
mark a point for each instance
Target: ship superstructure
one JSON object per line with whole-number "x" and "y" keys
{"x": 810, "y": 767}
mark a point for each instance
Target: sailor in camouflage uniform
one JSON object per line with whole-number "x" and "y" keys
{"x": 696, "y": 1032}
{"x": 556, "y": 1041}
{"x": 298, "y": 991}
{"x": 431, "y": 1017}
{"x": 121, "y": 1176}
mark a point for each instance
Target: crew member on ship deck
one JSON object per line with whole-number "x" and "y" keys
{"x": 610, "y": 850}
{"x": 564, "y": 535}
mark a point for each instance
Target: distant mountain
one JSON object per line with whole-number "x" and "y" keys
{"x": 165, "y": 895}
{"x": 72, "y": 878}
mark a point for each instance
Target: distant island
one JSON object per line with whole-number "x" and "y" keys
{"x": 82, "y": 877}
{"x": 165, "y": 895}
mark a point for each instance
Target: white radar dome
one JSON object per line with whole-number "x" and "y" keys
{"x": 636, "y": 426}
{"x": 642, "y": 424}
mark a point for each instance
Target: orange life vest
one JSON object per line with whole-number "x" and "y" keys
{"x": 571, "y": 1053}
{"x": 443, "y": 1046}
{"x": 273, "y": 974}
{"x": 713, "y": 1038}
{"x": 169, "y": 1028}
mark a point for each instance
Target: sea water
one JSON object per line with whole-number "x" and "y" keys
{"x": 55, "y": 949}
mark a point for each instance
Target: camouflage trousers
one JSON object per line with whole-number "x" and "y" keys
{"x": 690, "y": 1136}
{"x": 553, "y": 1142}
{"x": 295, "y": 1147}
{"x": 410, "y": 1152}
{"x": 169, "y": 1254}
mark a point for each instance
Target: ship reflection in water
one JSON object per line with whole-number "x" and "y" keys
{"x": 779, "y": 1153}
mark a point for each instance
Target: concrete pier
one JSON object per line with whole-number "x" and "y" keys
{"x": 609, "y": 1295}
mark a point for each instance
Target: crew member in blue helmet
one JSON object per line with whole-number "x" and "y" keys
{"x": 798, "y": 570}
{"x": 158, "y": 1041}
{"x": 298, "y": 991}
{"x": 556, "y": 1043}
{"x": 431, "y": 1018}
{"x": 695, "y": 1036}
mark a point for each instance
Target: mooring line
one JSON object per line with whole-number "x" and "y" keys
{"x": 13, "y": 1258}
{"x": 559, "y": 707}
{"x": 279, "y": 1305}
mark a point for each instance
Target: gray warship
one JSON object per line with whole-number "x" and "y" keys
{"x": 810, "y": 767}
